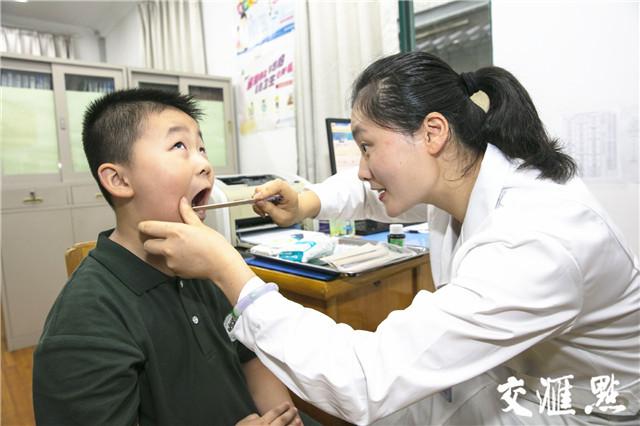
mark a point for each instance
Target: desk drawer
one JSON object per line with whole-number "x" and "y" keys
{"x": 34, "y": 197}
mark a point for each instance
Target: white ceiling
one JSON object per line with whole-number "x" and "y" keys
{"x": 101, "y": 16}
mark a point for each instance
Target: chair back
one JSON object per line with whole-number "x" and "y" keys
{"x": 74, "y": 255}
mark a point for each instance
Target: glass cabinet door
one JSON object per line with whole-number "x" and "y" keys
{"x": 216, "y": 126}
{"x": 81, "y": 87}
{"x": 160, "y": 86}
{"x": 214, "y": 98}
{"x": 151, "y": 79}
{"x": 211, "y": 102}
{"x": 28, "y": 126}
{"x": 81, "y": 92}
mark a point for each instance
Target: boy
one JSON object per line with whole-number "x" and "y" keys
{"x": 127, "y": 342}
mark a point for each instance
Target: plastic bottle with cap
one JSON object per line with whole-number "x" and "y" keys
{"x": 396, "y": 234}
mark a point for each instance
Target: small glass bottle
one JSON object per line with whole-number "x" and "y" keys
{"x": 342, "y": 227}
{"x": 396, "y": 234}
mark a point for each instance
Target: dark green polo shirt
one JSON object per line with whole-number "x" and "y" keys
{"x": 126, "y": 344}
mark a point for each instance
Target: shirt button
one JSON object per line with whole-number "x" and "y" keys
{"x": 195, "y": 319}
{"x": 181, "y": 284}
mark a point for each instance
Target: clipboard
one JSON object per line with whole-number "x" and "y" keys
{"x": 293, "y": 268}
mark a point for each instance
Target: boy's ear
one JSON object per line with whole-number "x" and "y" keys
{"x": 436, "y": 132}
{"x": 114, "y": 180}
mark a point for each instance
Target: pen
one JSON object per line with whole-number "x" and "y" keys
{"x": 275, "y": 199}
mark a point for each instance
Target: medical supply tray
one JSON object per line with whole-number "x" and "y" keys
{"x": 411, "y": 251}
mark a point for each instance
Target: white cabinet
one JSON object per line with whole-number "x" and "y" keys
{"x": 38, "y": 226}
{"x": 48, "y": 198}
{"x": 34, "y": 238}
{"x": 90, "y": 213}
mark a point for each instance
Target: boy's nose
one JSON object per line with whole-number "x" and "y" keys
{"x": 203, "y": 166}
{"x": 206, "y": 169}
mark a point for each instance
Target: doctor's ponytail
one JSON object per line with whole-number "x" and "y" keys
{"x": 397, "y": 92}
{"x": 513, "y": 125}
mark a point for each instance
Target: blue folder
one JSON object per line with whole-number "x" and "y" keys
{"x": 301, "y": 270}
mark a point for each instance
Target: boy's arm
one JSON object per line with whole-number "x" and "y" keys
{"x": 85, "y": 380}
{"x": 86, "y": 365}
{"x": 265, "y": 388}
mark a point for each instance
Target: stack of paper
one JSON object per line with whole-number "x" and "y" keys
{"x": 361, "y": 258}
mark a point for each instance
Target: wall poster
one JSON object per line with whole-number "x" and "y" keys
{"x": 265, "y": 46}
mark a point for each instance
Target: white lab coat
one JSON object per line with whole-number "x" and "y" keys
{"x": 539, "y": 284}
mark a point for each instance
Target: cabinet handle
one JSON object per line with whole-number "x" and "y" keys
{"x": 99, "y": 196}
{"x": 32, "y": 199}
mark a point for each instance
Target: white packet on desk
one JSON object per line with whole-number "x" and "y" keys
{"x": 300, "y": 247}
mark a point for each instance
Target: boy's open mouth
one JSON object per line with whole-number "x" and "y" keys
{"x": 201, "y": 197}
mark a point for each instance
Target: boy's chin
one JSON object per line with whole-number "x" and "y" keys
{"x": 170, "y": 216}
{"x": 173, "y": 217}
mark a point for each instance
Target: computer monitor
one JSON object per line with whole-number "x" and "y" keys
{"x": 344, "y": 154}
{"x": 343, "y": 151}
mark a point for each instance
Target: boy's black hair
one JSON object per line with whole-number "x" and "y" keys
{"x": 113, "y": 123}
{"x": 399, "y": 91}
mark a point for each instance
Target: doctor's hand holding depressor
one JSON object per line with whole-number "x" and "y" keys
{"x": 193, "y": 250}
{"x": 294, "y": 206}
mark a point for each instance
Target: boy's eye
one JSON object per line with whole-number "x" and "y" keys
{"x": 179, "y": 145}
{"x": 203, "y": 150}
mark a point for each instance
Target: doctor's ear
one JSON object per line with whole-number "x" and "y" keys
{"x": 436, "y": 132}
{"x": 114, "y": 180}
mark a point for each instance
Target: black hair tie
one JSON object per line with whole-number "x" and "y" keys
{"x": 469, "y": 80}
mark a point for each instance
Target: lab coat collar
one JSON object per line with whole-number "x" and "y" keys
{"x": 496, "y": 170}
{"x": 492, "y": 180}
{"x": 496, "y": 173}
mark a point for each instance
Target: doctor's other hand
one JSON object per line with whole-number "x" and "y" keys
{"x": 293, "y": 208}
{"x": 283, "y": 414}
{"x": 193, "y": 250}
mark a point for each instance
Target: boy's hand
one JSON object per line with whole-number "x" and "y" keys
{"x": 287, "y": 211}
{"x": 193, "y": 250}
{"x": 283, "y": 414}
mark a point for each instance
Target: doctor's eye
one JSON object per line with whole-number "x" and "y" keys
{"x": 363, "y": 148}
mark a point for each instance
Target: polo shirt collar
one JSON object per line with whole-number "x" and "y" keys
{"x": 132, "y": 271}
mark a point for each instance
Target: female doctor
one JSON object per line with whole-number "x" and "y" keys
{"x": 537, "y": 307}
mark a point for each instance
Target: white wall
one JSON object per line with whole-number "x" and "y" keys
{"x": 218, "y": 23}
{"x": 123, "y": 42}
{"x": 271, "y": 151}
{"x": 579, "y": 57}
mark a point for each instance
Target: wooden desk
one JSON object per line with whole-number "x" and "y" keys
{"x": 362, "y": 301}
